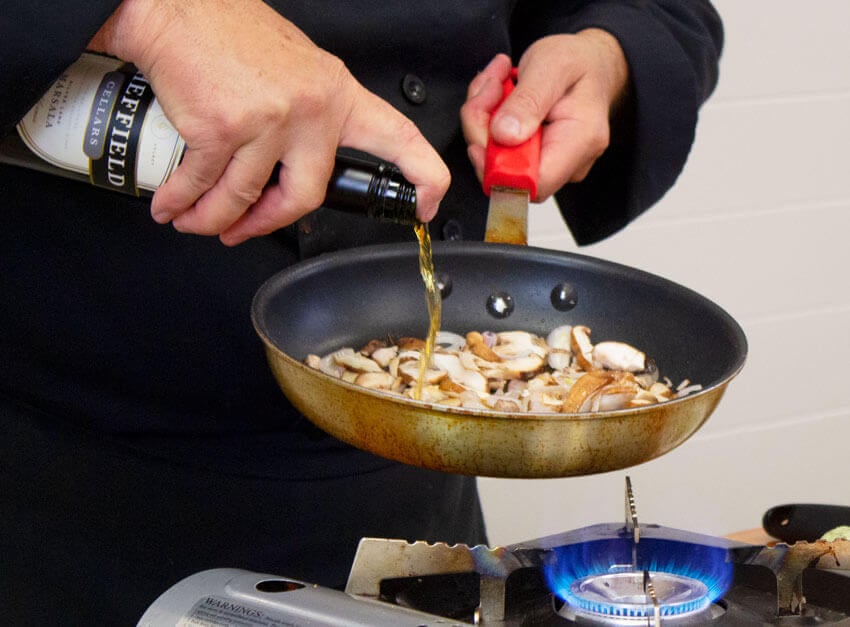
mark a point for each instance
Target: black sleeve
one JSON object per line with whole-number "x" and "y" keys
{"x": 38, "y": 40}
{"x": 673, "y": 49}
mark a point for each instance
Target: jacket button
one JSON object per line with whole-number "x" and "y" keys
{"x": 413, "y": 89}
{"x": 452, "y": 230}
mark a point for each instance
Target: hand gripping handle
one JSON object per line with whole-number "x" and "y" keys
{"x": 515, "y": 167}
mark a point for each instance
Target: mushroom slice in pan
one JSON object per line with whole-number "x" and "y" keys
{"x": 513, "y": 371}
{"x": 501, "y": 403}
{"x": 618, "y": 356}
{"x": 384, "y": 355}
{"x": 472, "y": 400}
{"x": 376, "y": 380}
{"x": 411, "y": 344}
{"x": 355, "y": 361}
{"x": 476, "y": 344}
{"x": 602, "y": 390}
{"x": 464, "y": 378}
{"x": 581, "y": 346}
{"x": 559, "y": 337}
{"x": 409, "y": 371}
{"x": 371, "y": 346}
{"x": 472, "y": 380}
{"x": 520, "y": 366}
{"x": 613, "y": 397}
{"x": 584, "y": 388}
{"x": 512, "y": 344}
{"x": 559, "y": 359}
{"x": 325, "y": 364}
{"x": 648, "y": 376}
{"x": 547, "y": 398}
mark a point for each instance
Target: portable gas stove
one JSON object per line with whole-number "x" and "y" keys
{"x": 607, "y": 574}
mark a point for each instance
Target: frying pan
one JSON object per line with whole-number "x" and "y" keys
{"x": 807, "y": 522}
{"x": 350, "y": 297}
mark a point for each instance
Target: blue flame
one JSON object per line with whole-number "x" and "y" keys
{"x": 573, "y": 562}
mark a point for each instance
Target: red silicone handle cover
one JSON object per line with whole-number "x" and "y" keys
{"x": 512, "y": 166}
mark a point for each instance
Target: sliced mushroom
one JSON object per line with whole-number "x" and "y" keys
{"x": 583, "y": 390}
{"x": 476, "y": 344}
{"x": 511, "y": 344}
{"x": 472, "y": 380}
{"x": 372, "y": 346}
{"x": 615, "y": 396}
{"x": 409, "y": 371}
{"x": 384, "y": 355}
{"x": 522, "y": 365}
{"x": 430, "y": 394}
{"x": 447, "y": 385}
{"x": 649, "y": 376}
{"x": 581, "y": 347}
{"x": 661, "y": 391}
{"x": 449, "y": 341}
{"x": 559, "y": 338}
{"x": 448, "y": 362}
{"x": 559, "y": 359}
{"x": 547, "y": 398}
{"x": 618, "y": 356}
{"x": 472, "y": 400}
{"x": 357, "y": 362}
{"x": 513, "y": 371}
{"x": 349, "y": 376}
{"x": 376, "y": 380}
{"x": 411, "y": 344}
{"x": 327, "y": 365}
{"x": 506, "y": 404}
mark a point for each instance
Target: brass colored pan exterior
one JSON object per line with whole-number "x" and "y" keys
{"x": 345, "y": 299}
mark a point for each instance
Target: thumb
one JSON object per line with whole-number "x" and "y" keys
{"x": 523, "y": 111}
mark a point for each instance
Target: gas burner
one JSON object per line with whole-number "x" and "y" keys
{"x": 632, "y": 597}
{"x": 605, "y": 574}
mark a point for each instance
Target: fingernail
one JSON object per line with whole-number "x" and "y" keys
{"x": 161, "y": 217}
{"x": 480, "y": 87}
{"x": 427, "y": 215}
{"x": 508, "y": 125}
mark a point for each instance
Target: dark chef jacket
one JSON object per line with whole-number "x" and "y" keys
{"x": 143, "y": 436}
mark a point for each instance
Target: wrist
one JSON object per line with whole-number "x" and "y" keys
{"x": 613, "y": 61}
{"x": 132, "y": 30}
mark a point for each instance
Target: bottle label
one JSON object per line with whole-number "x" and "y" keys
{"x": 101, "y": 118}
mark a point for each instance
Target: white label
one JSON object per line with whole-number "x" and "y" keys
{"x": 83, "y": 122}
{"x": 216, "y": 611}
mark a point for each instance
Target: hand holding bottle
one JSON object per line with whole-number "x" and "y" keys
{"x": 246, "y": 89}
{"x": 570, "y": 84}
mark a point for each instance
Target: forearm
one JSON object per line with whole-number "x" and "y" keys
{"x": 672, "y": 48}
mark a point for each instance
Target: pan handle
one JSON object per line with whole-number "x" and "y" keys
{"x": 513, "y": 167}
{"x": 804, "y": 521}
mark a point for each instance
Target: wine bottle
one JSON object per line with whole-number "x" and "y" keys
{"x": 100, "y": 122}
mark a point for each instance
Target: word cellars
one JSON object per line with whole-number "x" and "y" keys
{"x": 112, "y": 134}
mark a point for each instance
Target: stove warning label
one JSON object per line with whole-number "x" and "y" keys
{"x": 213, "y": 611}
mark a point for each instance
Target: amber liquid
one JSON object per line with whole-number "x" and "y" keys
{"x": 432, "y": 295}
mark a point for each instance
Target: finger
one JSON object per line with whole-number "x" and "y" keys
{"x": 240, "y": 186}
{"x": 483, "y": 96}
{"x": 498, "y": 69}
{"x": 301, "y": 187}
{"x": 539, "y": 86}
{"x": 568, "y": 150}
{"x": 374, "y": 126}
{"x": 476, "y": 156}
{"x": 476, "y": 113}
{"x": 198, "y": 171}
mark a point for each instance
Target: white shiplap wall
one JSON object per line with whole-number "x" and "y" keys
{"x": 759, "y": 222}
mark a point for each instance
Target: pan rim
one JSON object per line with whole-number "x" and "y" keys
{"x": 377, "y": 252}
